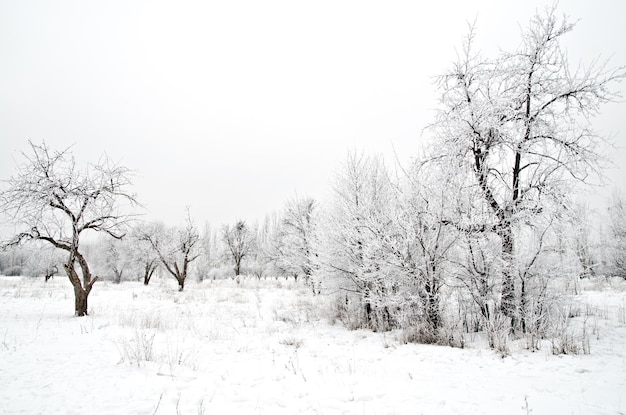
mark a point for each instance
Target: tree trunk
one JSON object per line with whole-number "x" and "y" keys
{"x": 523, "y": 306}
{"x": 507, "y": 305}
{"x": 149, "y": 271}
{"x": 80, "y": 303}
{"x": 431, "y": 289}
{"x": 181, "y": 284}
{"x": 432, "y": 311}
{"x": 80, "y": 293}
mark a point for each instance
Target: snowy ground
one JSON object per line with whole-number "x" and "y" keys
{"x": 267, "y": 347}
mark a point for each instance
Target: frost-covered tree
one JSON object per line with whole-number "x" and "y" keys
{"x": 519, "y": 125}
{"x": 582, "y": 239}
{"x": 422, "y": 243}
{"x": 48, "y": 263}
{"x": 208, "y": 252}
{"x": 387, "y": 245}
{"x": 14, "y": 260}
{"x": 176, "y": 247}
{"x": 115, "y": 257}
{"x": 267, "y": 244}
{"x": 294, "y": 247}
{"x": 144, "y": 259}
{"x": 239, "y": 240}
{"x": 352, "y": 242}
{"x": 617, "y": 215}
{"x": 55, "y": 201}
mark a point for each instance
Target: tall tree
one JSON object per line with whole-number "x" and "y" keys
{"x": 56, "y": 202}
{"x": 520, "y": 124}
{"x": 353, "y": 239}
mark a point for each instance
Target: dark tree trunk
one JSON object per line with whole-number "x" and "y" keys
{"x": 80, "y": 302}
{"x": 504, "y": 229}
{"x": 148, "y": 272}
{"x": 51, "y": 272}
{"x": 81, "y": 289}
{"x": 181, "y": 284}
{"x": 80, "y": 294}
{"x": 368, "y": 312}
{"x": 523, "y": 306}
{"x": 432, "y": 312}
{"x": 431, "y": 289}
{"x": 508, "y": 303}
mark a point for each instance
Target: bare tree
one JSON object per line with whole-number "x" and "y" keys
{"x": 267, "y": 244}
{"x": 57, "y": 203}
{"x": 145, "y": 260}
{"x": 581, "y": 220}
{"x": 520, "y": 124}
{"x": 206, "y": 249}
{"x": 175, "y": 247}
{"x": 115, "y": 257}
{"x": 49, "y": 262}
{"x": 240, "y": 241}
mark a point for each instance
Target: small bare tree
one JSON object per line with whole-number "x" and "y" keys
{"x": 115, "y": 258}
{"x": 144, "y": 258}
{"x": 176, "y": 247}
{"x": 240, "y": 241}
{"x": 56, "y": 202}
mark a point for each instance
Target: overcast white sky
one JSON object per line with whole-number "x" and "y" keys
{"x": 234, "y": 107}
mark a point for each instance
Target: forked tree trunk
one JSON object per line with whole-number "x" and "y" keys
{"x": 80, "y": 294}
{"x": 149, "y": 271}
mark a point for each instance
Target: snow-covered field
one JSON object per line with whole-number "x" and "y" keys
{"x": 269, "y": 347}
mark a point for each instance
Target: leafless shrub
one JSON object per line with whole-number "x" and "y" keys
{"x": 498, "y": 330}
{"x": 564, "y": 337}
{"x": 292, "y": 341}
{"x": 138, "y": 348}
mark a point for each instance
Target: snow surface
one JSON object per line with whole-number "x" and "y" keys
{"x": 269, "y": 347}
